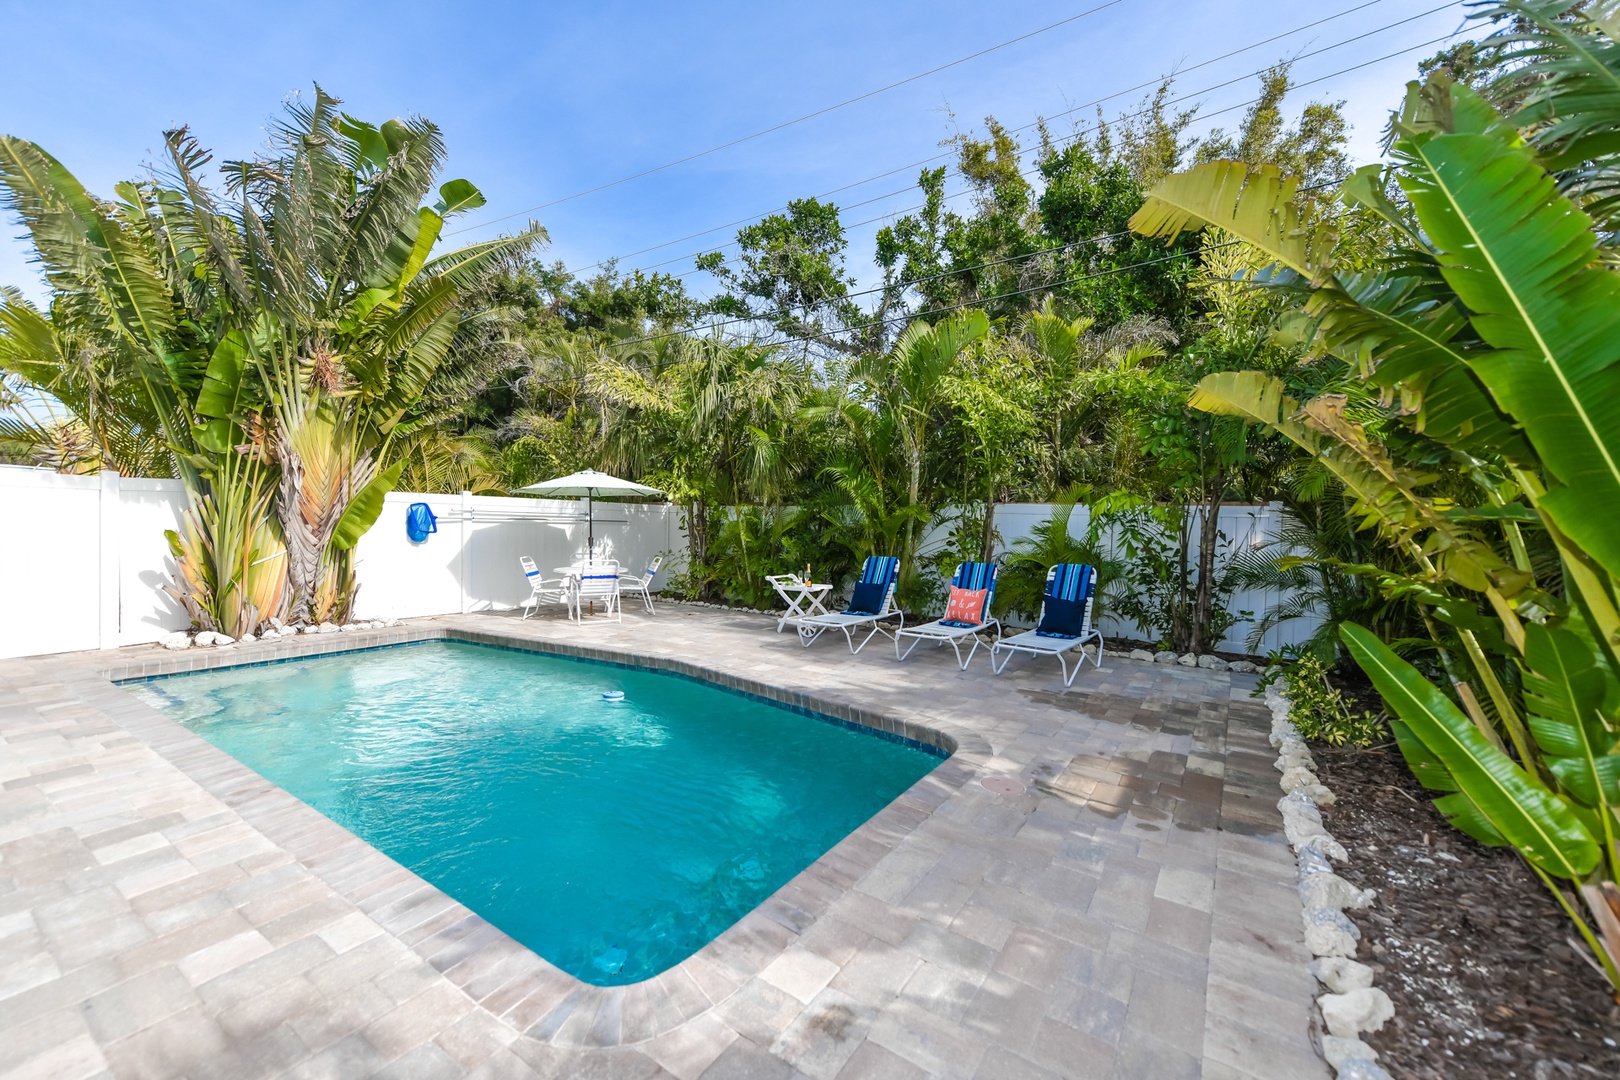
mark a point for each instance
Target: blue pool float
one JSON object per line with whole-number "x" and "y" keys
{"x": 613, "y": 695}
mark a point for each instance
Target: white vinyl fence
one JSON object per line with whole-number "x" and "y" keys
{"x": 83, "y": 559}
{"x": 471, "y": 563}
{"x": 1240, "y": 525}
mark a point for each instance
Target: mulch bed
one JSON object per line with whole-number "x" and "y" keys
{"x": 1465, "y": 939}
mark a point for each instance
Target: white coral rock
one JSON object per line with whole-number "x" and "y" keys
{"x": 1340, "y": 974}
{"x": 1348, "y": 1015}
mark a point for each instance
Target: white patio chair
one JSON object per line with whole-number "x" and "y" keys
{"x": 598, "y": 581}
{"x": 1069, "y": 587}
{"x": 544, "y": 590}
{"x": 877, "y": 577}
{"x": 970, "y": 577}
{"x": 642, "y": 586}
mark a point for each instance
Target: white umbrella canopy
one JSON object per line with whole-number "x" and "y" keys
{"x": 588, "y": 484}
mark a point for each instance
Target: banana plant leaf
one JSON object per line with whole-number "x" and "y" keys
{"x": 364, "y": 509}
{"x": 1563, "y": 693}
{"x": 1524, "y": 259}
{"x": 1539, "y": 824}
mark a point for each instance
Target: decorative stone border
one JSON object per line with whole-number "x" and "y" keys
{"x": 1352, "y": 1004}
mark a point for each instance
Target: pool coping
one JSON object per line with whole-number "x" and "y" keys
{"x": 503, "y": 976}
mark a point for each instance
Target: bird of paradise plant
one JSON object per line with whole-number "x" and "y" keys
{"x": 1493, "y": 333}
{"x": 282, "y": 335}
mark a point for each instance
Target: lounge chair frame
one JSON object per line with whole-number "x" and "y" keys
{"x": 598, "y": 581}
{"x": 943, "y": 633}
{"x": 1037, "y": 644}
{"x": 642, "y": 585}
{"x": 811, "y": 627}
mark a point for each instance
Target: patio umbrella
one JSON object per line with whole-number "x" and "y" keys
{"x": 588, "y": 483}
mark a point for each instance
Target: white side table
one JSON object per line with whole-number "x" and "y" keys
{"x": 801, "y": 599}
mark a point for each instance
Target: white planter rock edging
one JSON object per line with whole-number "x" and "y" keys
{"x": 1352, "y": 1004}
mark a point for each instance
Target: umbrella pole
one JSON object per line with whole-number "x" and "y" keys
{"x": 590, "y": 526}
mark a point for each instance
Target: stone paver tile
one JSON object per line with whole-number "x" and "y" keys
{"x": 138, "y": 1004}
{"x": 1166, "y": 1010}
{"x": 936, "y": 1045}
{"x": 944, "y": 992}
{"x": 1071, "y": 1054}
{"x": 416, "y": 1021}
{"x": 268, "y": 1055}
{"x": 1139, "y": 1057}
{"x": 1031, "y": 956}
{"x": 875, "y": 974}
{"x": 1184, "y": 928}
{"x": 800, "y": 972}
{"x": 692, "y": 1047}
{"x": 956, "y": 933}
{"x": 759, "y": 1011}
{"x": 77, "y": 1059}
{"x": 214, "y": 960}
{"x": 173, "y": 1046}
{"x": 1258, "y": 1055}
{"x": 348, "y": 1057}
{"x": 956, "y": 953}
{"x": 1008, "y": 1011}
{"x": 428, "y": 1062}
{"x": 873, "y": 1062}
{"x": 1188, "y": 888}
{"x": 746, "y": 1060}
{"x": 1002, "y": 1064}
{"x": 821, "y": 1040}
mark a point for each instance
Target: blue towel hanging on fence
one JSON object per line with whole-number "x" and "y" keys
{"x": 419, "y": 522}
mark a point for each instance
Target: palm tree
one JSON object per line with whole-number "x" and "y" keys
{"x": 907, "y": 387}
{"x": 282, "y": 335}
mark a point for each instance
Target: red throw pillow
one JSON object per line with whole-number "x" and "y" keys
{"x": 966, "y": 606}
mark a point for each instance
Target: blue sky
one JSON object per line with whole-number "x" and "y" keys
{"x": 539, "y": 101}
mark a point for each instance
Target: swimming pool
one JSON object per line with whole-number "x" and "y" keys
{"x": 614, "y": 838}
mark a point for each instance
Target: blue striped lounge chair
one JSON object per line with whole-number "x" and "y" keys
{"x": 1065, "y": 624}
{"x": 872, "y": 603}
{"x": 971, "y": 576}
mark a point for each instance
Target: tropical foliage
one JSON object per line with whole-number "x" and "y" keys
{"x": 1475, "y": 425}
{"x": 269, "y": 345}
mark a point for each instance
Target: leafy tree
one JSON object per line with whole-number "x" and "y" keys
{"x": 789, "y": 275}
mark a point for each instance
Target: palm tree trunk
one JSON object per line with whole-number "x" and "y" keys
{"x": 987, "y": 549}
{"x": 1208, "y": 536}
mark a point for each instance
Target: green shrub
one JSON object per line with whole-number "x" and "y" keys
{"x": 1320, "y": 712}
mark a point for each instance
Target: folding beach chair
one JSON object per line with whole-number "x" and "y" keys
{"x": 967, "y": 614}
{"x": 871, "y": 604}
{"x": 1065, "y": 623}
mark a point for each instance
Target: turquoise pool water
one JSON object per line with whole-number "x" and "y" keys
{"x": 615, "y": 839}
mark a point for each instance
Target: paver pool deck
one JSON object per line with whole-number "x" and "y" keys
{"x": 1124, "y": 907}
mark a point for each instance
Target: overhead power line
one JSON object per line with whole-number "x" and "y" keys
{"x": 904, "y": 316}
{"x": 1087, "y": 105}
{"x": 1080, "y": 133}
{"x": 801, "y": 119}
{"x": 968, "y": 269}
